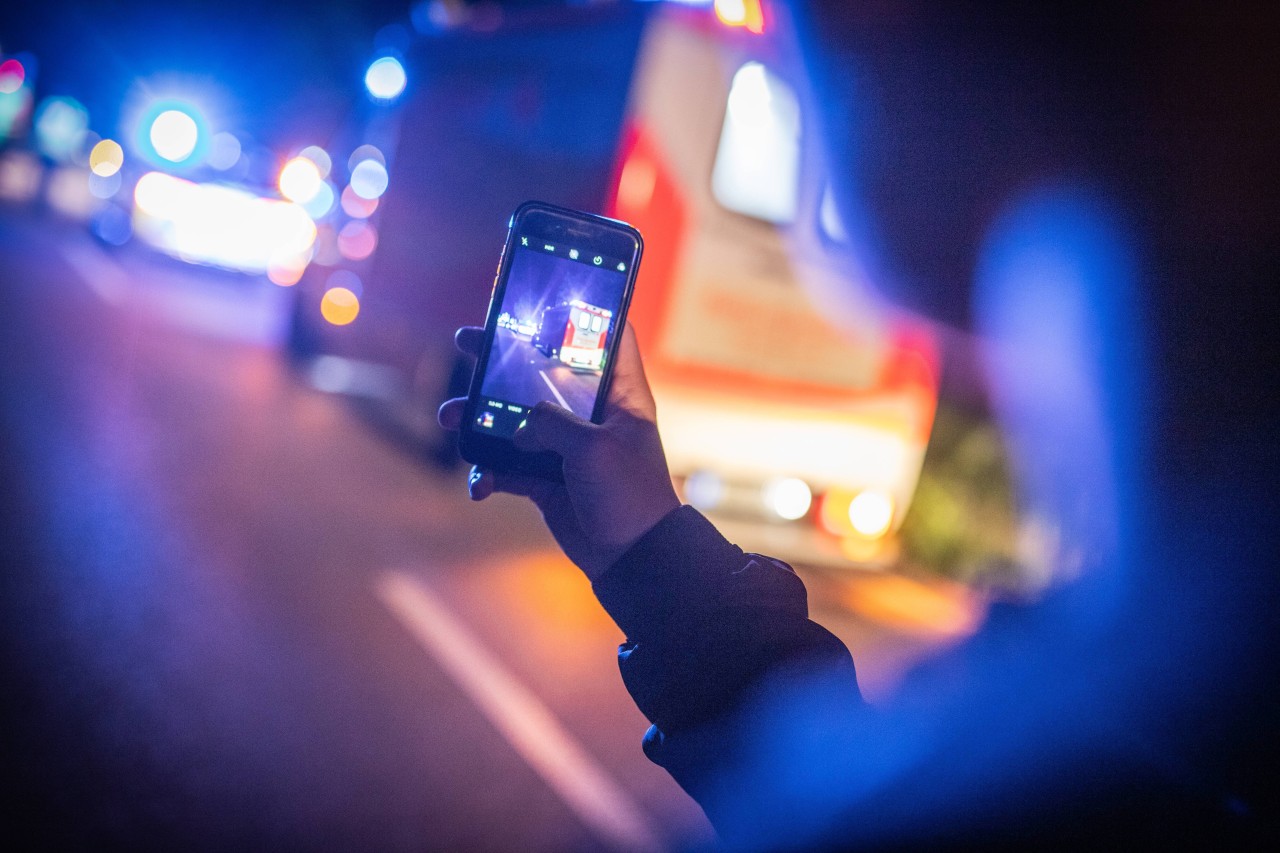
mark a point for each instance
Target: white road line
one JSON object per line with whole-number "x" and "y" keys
{"x": 526, "y": 723}
{"x": 554, "y": 390}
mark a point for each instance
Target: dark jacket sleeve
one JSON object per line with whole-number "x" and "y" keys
{"x": 717, "y": 639}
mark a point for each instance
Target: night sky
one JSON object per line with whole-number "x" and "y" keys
{"x": 272, "y": 66}
{"x": 539, "y": 280}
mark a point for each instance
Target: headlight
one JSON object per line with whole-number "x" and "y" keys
{"x": 867, "y": 514}
{"x": 788, "y": 498}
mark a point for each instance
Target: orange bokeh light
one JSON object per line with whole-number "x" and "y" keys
{"x": 741, "y": 13}
{"x": 339, "y": 306}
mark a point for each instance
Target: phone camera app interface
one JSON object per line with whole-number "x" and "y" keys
{"x": 554, "y": 330}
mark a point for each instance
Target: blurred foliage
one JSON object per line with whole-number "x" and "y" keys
{"x": 963, "y": 521}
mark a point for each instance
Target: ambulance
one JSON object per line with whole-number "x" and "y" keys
{"x": 795, "y": 407}
{"x": 574, "y": 333}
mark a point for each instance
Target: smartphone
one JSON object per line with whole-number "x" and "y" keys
{"x": 555, "y": 322}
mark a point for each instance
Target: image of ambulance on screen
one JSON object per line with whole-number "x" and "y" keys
{"x": 574, "y": 333}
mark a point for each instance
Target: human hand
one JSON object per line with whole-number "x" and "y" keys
{"x": 616, "y": 483}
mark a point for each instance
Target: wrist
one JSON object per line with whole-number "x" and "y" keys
{"x": 674, "y": 568}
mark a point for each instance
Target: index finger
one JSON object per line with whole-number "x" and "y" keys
{"x": 469, "y": 340}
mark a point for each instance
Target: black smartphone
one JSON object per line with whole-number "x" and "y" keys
{"x": 555, "y": 321}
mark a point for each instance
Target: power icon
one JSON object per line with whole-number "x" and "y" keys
{"x": 597, "y": 260}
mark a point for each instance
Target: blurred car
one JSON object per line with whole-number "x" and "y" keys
{"x": 574, "y": 334}
{"x": 795, "y": 407}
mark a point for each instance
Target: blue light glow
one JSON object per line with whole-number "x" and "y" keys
{"x": 60, "y": 125}
{"x": 385, "y": 78}
{"x": 172, "y": 133}
{"x": 321, "y": 203}
{"x": 369, "y": 179}
{"x": 224, "y": 151}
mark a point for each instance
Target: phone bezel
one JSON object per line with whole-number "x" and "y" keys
{"x": 599, "y": 234}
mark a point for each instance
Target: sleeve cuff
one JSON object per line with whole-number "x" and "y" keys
{"x": 676, "y": 568}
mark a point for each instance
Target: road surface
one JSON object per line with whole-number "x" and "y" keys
{"x": 237, "y": 617}
{"x": 520, "y": 373}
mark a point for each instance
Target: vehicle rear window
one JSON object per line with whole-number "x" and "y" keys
{"x": 757, "y": 164}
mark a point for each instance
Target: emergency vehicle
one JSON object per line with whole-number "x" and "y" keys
{"x": 574, "y": 333}
{"x": 794, "y": 405}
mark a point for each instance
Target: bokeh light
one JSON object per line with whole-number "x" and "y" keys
{"x": 365, "y": 152}
{"x": 68, "y": 192}
{"x": 870, "y": 513}
{"x": 356, "y": 207}
{"x": 174, "y": 135}
{"x": 61, "y": 125}
{"x": 222, "y": 225}
{"x": 20, "y": 175}
{"x": 385, "y": 78}
{"x": 106, "y": 158}
{"x": 11, "y": 76}
{"x": 111, "y": 225}
{"x": 704, "y": 490}
{"x": 357, "y": 240}
{"x": 224, "y": 151}
{"x": 741, "y": 13}
{"x": 788, "y": 498}
{"x": 300, "y": 180}
{"x": 321, "y": 203}
{"x": 15, "y": 107}
{"x": 317, "y": 155}
{"x": 104, "y": 186}
{"x": 285, "y": 271}
{"x": 369, "y": 179}
{"x": 339, "y": 306}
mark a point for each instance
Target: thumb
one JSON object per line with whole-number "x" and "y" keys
{"x": 550, "y": 427}
{"x": 629, "y": 389}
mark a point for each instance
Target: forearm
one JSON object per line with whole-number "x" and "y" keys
{"x": 717, "y": 641}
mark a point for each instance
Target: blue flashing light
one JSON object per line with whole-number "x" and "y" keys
{"x": 172, "y": 134}
{"x": 385, "y": 78}
{"x": 60, "y": 127}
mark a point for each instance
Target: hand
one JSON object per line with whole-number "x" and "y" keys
{"x": 616, "y": 483}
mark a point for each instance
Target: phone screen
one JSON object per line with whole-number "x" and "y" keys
{"x": 554, "y": 330}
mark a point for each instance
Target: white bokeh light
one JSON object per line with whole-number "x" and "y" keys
{"x": 174, "y": 135}
{"x": 788, "y": 498}
{"x": 385, "y": 78}
{"x": 369, "y": 179}
{"x": 300, "y": 180}
{"x": 871, "y": 513}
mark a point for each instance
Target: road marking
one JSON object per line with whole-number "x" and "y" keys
{"x": 554, "y": 390}
{"x": 526, "y": 723}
